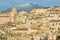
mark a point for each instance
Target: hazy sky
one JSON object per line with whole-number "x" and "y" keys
{"x": 5, "y": 4}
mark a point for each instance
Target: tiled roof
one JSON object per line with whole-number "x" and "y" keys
{"x": 4, "y": 15}
{"x": 55, "y": 21}
{"x": 21, "y": 29}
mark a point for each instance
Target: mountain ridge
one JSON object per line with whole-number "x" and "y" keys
{"x": 25, "y": 7}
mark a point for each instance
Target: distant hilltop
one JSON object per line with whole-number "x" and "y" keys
{"x": 26, "y": 7}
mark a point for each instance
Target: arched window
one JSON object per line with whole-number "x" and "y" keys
{"x": 53, "y": 24}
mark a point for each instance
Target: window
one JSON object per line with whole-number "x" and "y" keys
{"x": 53, "y": 24}
{"x": 58, "y": 28}
{"x": 31, "y": 23}
{"x": 51, "y": 28}
{"x": 56, "y": 23}
{"x": 59, "y": 23}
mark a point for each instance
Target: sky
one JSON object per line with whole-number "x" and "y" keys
{"x": 6, "y": 4}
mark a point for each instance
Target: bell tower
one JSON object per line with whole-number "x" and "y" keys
{"x": 13, "y": 13}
